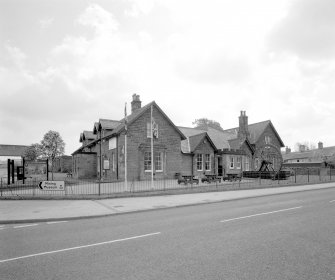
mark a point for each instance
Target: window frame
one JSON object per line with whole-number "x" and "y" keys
{"x": 232, "y": 162}
{"x": 208, "y": 162}
{"x": 147, "y": 161}
{"x": 159, "y": 155}
{"x": 199, "y": 160}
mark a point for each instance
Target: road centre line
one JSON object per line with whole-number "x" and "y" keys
{"x": 79, "y": 247}
{"x": 56, "y": 222}
{"x": 332, "y": 201}
{"x": 260, "y": 214}
{"x": 30, "y": 225}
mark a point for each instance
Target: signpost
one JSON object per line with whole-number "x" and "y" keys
{"x": 52, "y": 185}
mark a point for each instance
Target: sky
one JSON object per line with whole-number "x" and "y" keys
{"x": 65, "y": 64}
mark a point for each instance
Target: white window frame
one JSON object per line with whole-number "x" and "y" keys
{"x": 238, "y": 162}
{"x": 207, "y": 162}
{"x": 147, "y": 161}
{"x": 159, "y": 156}
{"x": 200, "y": 160}
{"x": 246, "y": 164}
{"x": 232, "y": 162}
{"x": 149, "y": 130}
{"x": 267, "y": 140}
{"x": 112, "y": 143}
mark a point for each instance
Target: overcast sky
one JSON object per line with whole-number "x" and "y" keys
{"x": 65, "y": 64}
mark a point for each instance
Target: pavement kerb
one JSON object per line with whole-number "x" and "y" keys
{"x": 154, "y": 208}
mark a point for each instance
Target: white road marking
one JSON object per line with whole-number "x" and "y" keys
{"x": 79, "y": 247}
{"x": 265, "y": 213}
{"x": 332, "y": 201}
{"x": 57, "y": 222}
{"x": 30, "y": 225}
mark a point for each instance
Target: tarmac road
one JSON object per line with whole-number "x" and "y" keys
{"x": 287, "y": 236}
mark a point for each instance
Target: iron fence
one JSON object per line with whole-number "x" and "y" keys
{"x": 75, "y": 188}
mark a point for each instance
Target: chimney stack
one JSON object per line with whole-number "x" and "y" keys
{"x": 320, "y": 145}
{"x": 136, "y": 103}
{"x": 288, "y": 150}
{"x": 302, "y": 148}
{"x": 243, "y": 131}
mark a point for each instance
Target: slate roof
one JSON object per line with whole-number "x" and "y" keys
{"x": 116, "y": 127}
{"x": 87, "y": 135}
{"x": 139, "y": 112}
{"x": 256, "y": 130}
{"x": 315, "y": 155}
{"x": 190, "y": 144}
{"x": 12, "y": 150}
{"x": 219, "y": 138}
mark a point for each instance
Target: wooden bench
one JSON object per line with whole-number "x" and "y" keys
{"x": 188, "y": 179}
{"x": 210, "y": 178}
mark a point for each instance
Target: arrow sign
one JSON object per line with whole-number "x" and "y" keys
{"x": 52, "y": 185}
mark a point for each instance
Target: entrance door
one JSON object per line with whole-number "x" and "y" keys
{"x": 220, "y": 168}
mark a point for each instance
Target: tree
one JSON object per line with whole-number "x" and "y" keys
{"x": 304, "y": 146}
{"x": 32, "y": 152}
{"x": 204, "y": 123}
{"x": 52, "y": 146}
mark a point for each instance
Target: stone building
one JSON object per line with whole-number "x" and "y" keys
{"x": 176, "y": 150}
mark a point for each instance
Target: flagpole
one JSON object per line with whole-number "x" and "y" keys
{"x": 125, "y": 149}
{"x": 152, "y": 153}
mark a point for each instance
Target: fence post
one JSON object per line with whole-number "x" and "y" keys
{"x": 1, "y": 187}
{"x": 319, "y": 174}
{"x": 260, "y": 180}
{"x": 330, "y": 173}
{"x": 308, "y": 175}
{"x": 295, "y": 176}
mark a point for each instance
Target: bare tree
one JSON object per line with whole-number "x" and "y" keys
{"x": 52, "y": 146}
{"x": 204, "y": 123}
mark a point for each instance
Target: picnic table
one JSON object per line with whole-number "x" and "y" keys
{"x": 210, "y": 178}
{"x": 188, "y": 179}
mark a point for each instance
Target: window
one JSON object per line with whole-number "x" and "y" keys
{"x": 231, "y": 162}
{"x": 246, "y": 164}
{"x": 113, "y": 161}
{"x": 159, "y": 161}
{"x": 112, "y": 143}
{"x": 199, "y": 162}
{"x": 154, "y": 129}
{"x": 148, "y": 130}
{"x": 208, "y": 162}
{"x": 147, "y": 161}
{"x": 238, "y": 162}
{"x": 256, "y": 163}
{"x": 267, "y": 140}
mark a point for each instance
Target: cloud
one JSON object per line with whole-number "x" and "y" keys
{"x": 46, "y": 22}
{"x": 214, "y": 69}
{"x": 308, "y": 30}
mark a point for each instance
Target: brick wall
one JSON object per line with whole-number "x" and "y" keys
{"x": 84, "y": 165}
{"x": 268, "y": 151}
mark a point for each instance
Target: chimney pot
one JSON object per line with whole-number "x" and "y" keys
{"x": 136, "y": 103}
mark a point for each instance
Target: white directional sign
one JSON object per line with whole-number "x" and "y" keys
{"x": 52, "y": 185}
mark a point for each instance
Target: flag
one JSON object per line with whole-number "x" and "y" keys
{"x": 125, "y": 118}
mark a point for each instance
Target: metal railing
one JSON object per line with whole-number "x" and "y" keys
{"x": 75, "y": 188}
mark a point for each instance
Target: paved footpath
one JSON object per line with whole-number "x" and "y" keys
{"x": 27, "y": 211}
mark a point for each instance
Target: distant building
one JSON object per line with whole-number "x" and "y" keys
{"x": 13, "y": 152}
{"x": 318, "y": 157}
